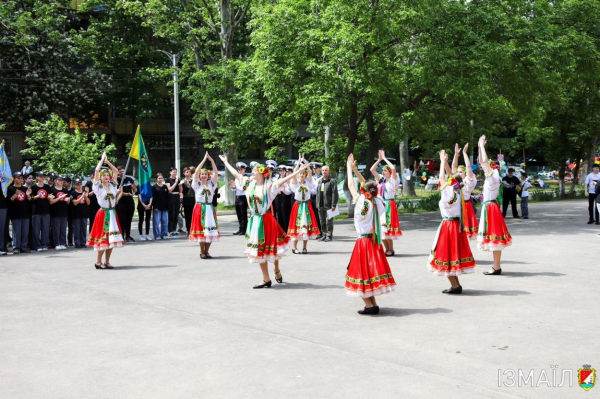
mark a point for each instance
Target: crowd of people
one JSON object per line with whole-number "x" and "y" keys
{"x": 277, "y": 208}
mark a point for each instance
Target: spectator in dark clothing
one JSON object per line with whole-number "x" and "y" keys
{"x": 510, "y": 182}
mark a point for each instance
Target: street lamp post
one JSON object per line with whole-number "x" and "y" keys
{"x": 175, "y": 58}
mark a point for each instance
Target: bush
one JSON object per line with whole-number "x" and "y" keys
{"x": 543, "y": 196}
{"x": 430, "y": 203}
{"x": 408, "y": 206}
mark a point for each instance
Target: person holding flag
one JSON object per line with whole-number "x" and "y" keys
{"x": 368, "y": 273}
{"x": 5, "y": 179}
{"x": 138, "y": 151}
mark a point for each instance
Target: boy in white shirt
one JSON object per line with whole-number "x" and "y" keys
{"x": 525, "y": 196}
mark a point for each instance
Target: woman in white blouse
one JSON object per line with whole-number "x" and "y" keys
{"x": 368, "y": 272}
{"x": 450, "y": 254}
{"x": 303, "y": 222}
{"x": 388, "y": 184}
{"x": 471, "y": 224}
{"x": 204, "y": 228}
{"x": 493, "y": 234}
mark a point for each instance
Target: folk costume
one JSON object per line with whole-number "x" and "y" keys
{"x": 368, "y": 272}
{"x": 265, "y": 239}
{"x": 391, "y": 224}
{"x": 204, "y": 226}
{"x": 106, "y": 231}
{"x": 471, "y": 224}
{"x": 303, "y": 222}
{"x": 451, "y": 254}
{"x": 493, "y": 234}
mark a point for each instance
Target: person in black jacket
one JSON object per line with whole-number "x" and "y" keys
{"x": 510, "y": 182}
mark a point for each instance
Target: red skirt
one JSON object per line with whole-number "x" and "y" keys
{"x": 204, "y": 227}
{"x": 493, "y": 234}
{"x": 369, "y": 272}
{"x": 392, "y": 223}
{"x": 106, "y": 231}
{"x": 265, "y": 239}
{"x": 451, "y": 254}
{"x": 471, "y": 222}
{"x": 303, "y": 222}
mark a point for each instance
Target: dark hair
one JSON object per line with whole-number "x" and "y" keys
{"x": 159, "y": 175}
{"x": 172, "y": 168}
{"x": 511, "y": 170}
{"x": 186, "y": 169}
{"x": 120, "y": 167}
{"x": 371, "y": 187}
{"x": 524, "y": 174}
{"x": 596, "y": 166}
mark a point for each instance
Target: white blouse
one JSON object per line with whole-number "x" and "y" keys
{"x": 204, "y": 193}
{"x": 469, "y": 186}
{"x": 257, "y": 204}
{"x": 106, "y": 198}
{"x": 302, "y": 191}
{"x": 449, "y": 203}
{"x": 387, "y": 188}
{"x": 363, "y": 214}
{"x": 491, "y": 185}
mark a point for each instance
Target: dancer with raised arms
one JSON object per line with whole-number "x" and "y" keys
{"x": 493, "y": 234}
{"x": 471, "y": 224}
{"x": 265, "y": 239}
{"x": 368, "y": 272}
{"x": 106, "y": 232}
{"x": 387, "y": 186}
{"x": 204, "y": 228}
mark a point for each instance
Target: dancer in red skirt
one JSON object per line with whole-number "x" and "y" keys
{"x": 204, "y": 228}
{"x": 388, "y": 184}
{"x": 451, "y": 255}
{"x": 265, "y": 239}
{"x": 471, "y": 224}
{"x": 106, "y": 232}
{"x": 303, "y": 222}
{"x": 368, "y": 272}
{"x": 493, "y": 234}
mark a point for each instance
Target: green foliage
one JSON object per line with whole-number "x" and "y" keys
{"x": 431, "y": 203}
{"x": 60, "y": 151}
{"x": 409, "y": 206}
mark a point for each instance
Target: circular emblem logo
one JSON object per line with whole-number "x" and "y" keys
{"x": 21, "y": 196}
{"x": 42, "y": 194}
{"x": 62, "y": 196}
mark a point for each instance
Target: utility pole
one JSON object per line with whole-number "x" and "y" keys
{"x": 175, "y": 58}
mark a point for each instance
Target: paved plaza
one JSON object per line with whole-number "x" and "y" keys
{"x": 166, "y": 324}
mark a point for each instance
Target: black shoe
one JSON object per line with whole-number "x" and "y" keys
{"x": 591, "y": 222}
{"x": 70, "y": 244}
{"x": 525, "y": 217}
{"x": 319, "y": 237}
{"x": 280, "y": 279}
{"x": 237, "y": 233}
{"x": 16, "y": 251}
{"x": 456, "y": 290}
{"x": 369, "y": 311}
{"x": 25, "y": 251}
{"x": 97, "y": 265}
{"x": 263, "y": 285}
{"x": 597, "y": 222}
{"x": 494, "y": 273}
{"x": 326, "y": 239}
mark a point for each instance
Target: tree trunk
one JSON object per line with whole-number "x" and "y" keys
{"x": 575, "y": 172}
{"x": 561, "y": 180}
{"x": 408, "y": 185}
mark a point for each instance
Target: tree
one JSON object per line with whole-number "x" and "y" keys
{"x": 42, "y": 70}
{"x": 61, "y": 151}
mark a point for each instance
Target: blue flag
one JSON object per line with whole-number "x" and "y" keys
{"x": 5, "y": 171}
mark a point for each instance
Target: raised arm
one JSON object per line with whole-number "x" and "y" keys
{"x": 96, "y": 177}
{"x": 113, "y": 168}
{"x": 391, "y": 165}
{"x": 376, "y": 164}
{"x": 470, "y": 174}
{"x": 230, "y": 168}
{"x": 280, "y": 182}
{"x": 483, "y": 158}
{"x": 215, "y": 177}
{"x": 454, "y": 160}
{"x": 349, "y": 173}
{"x": 443, "y": 166}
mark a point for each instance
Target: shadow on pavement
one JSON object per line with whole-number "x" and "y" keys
{"x": 532, "y": 274}
{"x": 141, "y": 267}
{"x": 307, "y": 286}
{"x": 399, "y": 312}
{"x": 487, "y": 293}
{"x": 507, "y": 262}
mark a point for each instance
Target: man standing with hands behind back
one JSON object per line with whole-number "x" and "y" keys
{"x": 327, "y": 199}
{"x": 592, "y": 190}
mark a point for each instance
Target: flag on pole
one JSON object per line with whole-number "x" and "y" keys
{"x": 138, "y": 151}
{"x": 5, "y": 172}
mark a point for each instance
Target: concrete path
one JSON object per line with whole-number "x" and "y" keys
{"x": 166, "y": 324}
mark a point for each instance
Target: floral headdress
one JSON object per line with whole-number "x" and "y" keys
{"x": 205, "y": 171}
{"x": 263, "y": 170}
{"x": 493, "y": 165}
{"x": 451, "y": 181}
{"x": 387, "y": 167}
{"x": 462, "y": 169}
{"x": 104, "y": 171}
{"x": 364, "y": 192}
